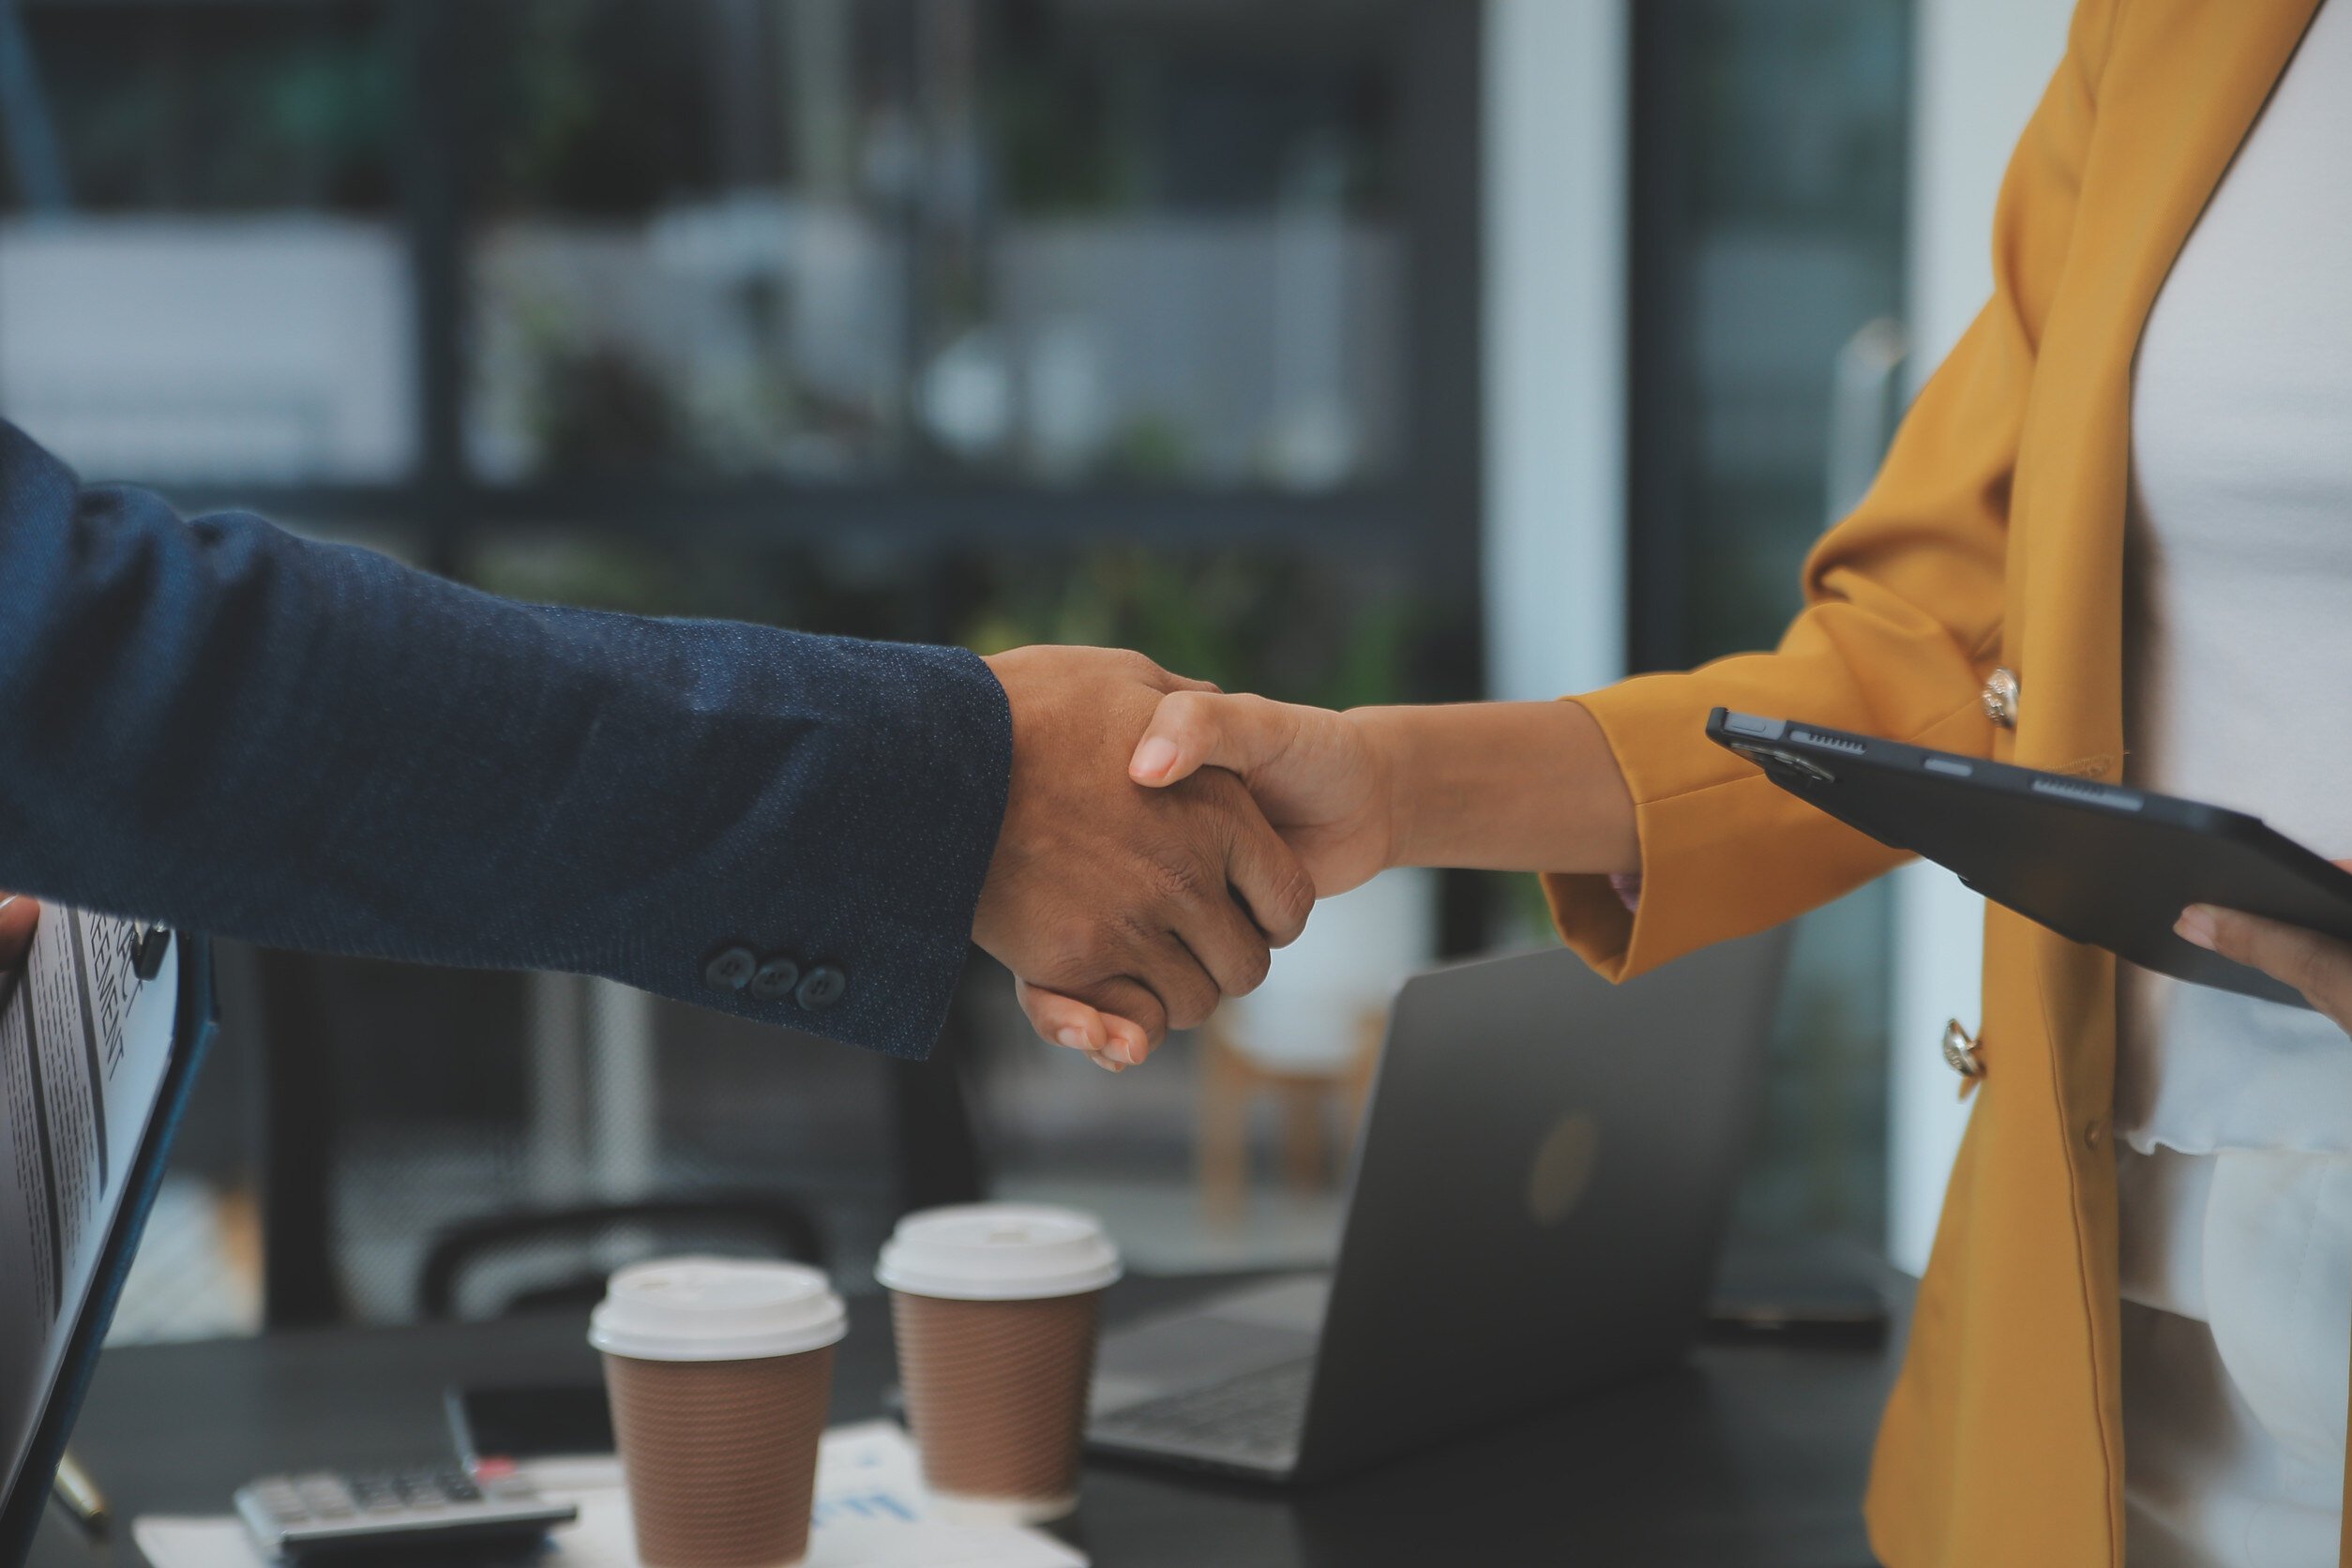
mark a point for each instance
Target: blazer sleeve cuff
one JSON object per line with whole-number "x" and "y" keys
{"x": 1725, "y": 852}
{"x": 913, "y": 827}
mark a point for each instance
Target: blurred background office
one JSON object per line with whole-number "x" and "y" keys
{"x": 1345, "y": 350}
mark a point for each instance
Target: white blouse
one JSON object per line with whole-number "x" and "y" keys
{"x": 2235, "y": 1116}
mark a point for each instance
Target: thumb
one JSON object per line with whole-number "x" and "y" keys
{"x": 17, "y": 916}
{"x": 1191, "y": 730}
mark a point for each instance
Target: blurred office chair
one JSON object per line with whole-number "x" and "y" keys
{"x": 398, "y": 1114}
{"x": 560, "y": 1257}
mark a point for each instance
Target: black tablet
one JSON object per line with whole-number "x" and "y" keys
{"x": 2095, "y": 863}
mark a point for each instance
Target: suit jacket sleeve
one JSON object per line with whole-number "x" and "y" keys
{"x": 1903, "y": 619}
{"x": 217, "y": 725}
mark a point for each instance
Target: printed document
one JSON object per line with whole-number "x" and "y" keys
{"x": 83, "y": 1047}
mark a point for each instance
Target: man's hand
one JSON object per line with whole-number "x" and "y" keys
{"x": 1321, "y": 778}
{"x": 1143, "y": 904}
{"x": 17, "y": 916}
{"x": 2320, "y": 966}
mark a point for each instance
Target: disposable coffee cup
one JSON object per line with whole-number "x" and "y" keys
{"x": 720, "y": 1372}
{"x": 995, "y": 1307}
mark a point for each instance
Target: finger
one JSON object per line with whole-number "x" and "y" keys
{"x": 1191, "y": 730}
{"x": 1167, "y": 966}
{"x": 17, "y": 916}
{"x": 1131, "y": 1011}
{"x": 2316, "y": 965}
{"x": 1203, "y": 901}
{"x": 1262, "y": 873}
{"x": 1065, "y": 1020}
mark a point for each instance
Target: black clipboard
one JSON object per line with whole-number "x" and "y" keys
{"x": 2096, "y": 863}
{"x": 193, "y": 1023}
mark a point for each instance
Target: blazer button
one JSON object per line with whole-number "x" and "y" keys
{"x": 2000, "y": 699}
{"x": 730, "y": 968}
{"x": 775, "y": 979}
{"x": 1960, "y": 1054}
{"x": 820, "y": 987}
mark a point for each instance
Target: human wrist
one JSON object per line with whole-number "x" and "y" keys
{"x": 1500, "y": 786}
{"x": 1389, "y": 738}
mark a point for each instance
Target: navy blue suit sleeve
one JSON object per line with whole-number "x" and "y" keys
{"x": 217, "y": 725}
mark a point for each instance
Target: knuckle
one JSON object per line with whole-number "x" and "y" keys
{"x": 1193, "y": 1001}
{"x": 1073, "y": 955}
{"x": 2307, "y": 965}
{"x": 1294, "y": 905}
{"x": 2230, "y": 939}
{"x": 1182, "y": 710}
{"x": 1132, "y": 930}
{"x": 1178, "y": 878}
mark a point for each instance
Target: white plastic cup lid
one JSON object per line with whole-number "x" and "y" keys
{"x": 716, "y": 1309}
{"x": 997, "y": 1252}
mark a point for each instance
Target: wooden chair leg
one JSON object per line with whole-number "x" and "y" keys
{"x": 1302, "y": 1142}
{"x": 1223, "y": 1140}
{"x": 1355, "y": 1089}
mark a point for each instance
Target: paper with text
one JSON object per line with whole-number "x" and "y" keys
{"x": 83, "y": 1047}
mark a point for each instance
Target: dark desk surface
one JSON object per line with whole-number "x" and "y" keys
{"x": 1747, "y": 1455}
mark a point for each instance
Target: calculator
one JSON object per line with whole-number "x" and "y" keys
{"x": 325, "y": 1515}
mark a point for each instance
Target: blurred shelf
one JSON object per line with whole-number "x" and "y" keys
{"x": 780, "y": 511}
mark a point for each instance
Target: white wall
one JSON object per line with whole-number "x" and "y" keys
{"x": 1979, "y": 68}
{"x": 1556, "y": 141}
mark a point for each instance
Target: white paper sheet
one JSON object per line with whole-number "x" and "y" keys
{"x": 871, "y": 1512}
{"x": 83, "y": 1047}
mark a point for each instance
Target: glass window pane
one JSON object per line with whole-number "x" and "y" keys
{"x": 1056, "y": 240}
{"x": 201, "y": 274}
{"x": 1769, "y": 224}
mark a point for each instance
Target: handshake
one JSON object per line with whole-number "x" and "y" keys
{"x": 1161, "y": 837}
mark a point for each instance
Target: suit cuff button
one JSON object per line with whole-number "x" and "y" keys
{"x": 730, "y": 968}
{"x": 775, "y": 980}
{"x": 820, "y": 987}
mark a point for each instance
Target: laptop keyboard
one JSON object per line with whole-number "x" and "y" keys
{"x": 1259, "y": 1418}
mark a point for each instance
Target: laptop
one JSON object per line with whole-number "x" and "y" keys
{"x": 1545, "y": 1170}
{"x": 100, "y": 1039}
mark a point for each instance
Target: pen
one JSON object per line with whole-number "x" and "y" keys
{"x": 81, "y": 1496}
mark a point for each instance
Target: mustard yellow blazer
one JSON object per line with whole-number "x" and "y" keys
{"x": 1992, "y": 543}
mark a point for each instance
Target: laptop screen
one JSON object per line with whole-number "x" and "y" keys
{"x": 85, "y": 1051}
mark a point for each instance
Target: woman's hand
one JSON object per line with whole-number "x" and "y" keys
{"x": 2318, "y": 966}
{"x": 1324, "y": 779}
{"x": 17, "y": 916}
{"x": 1113, "y": 1042}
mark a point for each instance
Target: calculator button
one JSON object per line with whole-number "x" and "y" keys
{"x": 325, "y": 1497}
{"x": 279, "y": 1496}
